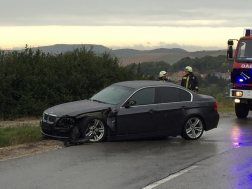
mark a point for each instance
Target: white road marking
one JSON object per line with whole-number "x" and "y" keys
{"x": 155, "y": 184}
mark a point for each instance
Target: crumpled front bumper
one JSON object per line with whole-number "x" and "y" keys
{"x": 50, "y": 129}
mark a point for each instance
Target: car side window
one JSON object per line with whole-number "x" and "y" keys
{"x": 172, "y": 94}
{"x": 168, "y": 94}
{"x": 144, "y": 96}
{"x": 184, "y": 95}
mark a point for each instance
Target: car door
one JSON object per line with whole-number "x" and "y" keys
{"x": 141, "y": 117}
{"x": 173, "y": 105}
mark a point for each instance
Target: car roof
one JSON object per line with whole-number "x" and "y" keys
{"x": 144, "y": 83}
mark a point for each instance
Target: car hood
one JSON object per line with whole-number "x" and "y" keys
{"x": 77, "y": 107}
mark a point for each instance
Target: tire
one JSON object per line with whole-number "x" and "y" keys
{"x": 193, "y": 128}
{"x": 96, "y": 127}
{"x": 241, "y": 110}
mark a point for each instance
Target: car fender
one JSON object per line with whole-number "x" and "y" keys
{"x": 111, "y": 119}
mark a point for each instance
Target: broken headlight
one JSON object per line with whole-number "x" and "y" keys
{"x": 66, "y": 122}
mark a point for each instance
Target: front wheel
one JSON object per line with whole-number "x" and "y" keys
{"x": 241, "y": 110}
{"x": 95, "y": 128}
{"x": 192, "y": 129}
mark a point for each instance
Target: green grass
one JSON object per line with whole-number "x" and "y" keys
{"x": 226, "y": 109}
{"x": 18, "y": 135}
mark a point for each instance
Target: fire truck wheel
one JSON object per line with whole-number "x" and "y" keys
{"x": 241, "y": 110}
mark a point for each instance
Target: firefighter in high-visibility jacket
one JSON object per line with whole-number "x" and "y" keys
{"x": 190, "y": 81}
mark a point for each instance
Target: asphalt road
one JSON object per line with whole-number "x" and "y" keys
{"x": 222, "y": 158}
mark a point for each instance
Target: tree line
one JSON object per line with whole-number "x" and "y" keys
{"x": 202, "y": 65}
{"x": 32, "y": 81}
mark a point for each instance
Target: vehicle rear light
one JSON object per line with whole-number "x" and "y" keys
{"x": 215, "y": 106}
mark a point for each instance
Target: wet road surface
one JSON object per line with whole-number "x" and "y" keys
{"x": 221, "y": 158}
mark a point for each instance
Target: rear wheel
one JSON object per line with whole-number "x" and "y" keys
{"x": 94, "y": 127}
{"x": 192, "y": 129}
{"x": 241, "y": 110}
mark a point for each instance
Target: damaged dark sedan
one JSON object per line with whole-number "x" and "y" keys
{"x": 133, "y": 109}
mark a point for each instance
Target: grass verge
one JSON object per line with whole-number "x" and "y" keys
{"x": 226, "y": 109}
{"x": 26, "y": 118}
{"x": 19, "y": 135}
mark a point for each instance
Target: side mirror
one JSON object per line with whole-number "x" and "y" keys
{"x": 230, "y": 52}
{"x": 230, "y": 42}
{"x": 130, "y": 103}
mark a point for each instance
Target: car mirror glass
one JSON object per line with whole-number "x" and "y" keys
{"x": 230, "y": 52}
{"x": 130, "y": 103}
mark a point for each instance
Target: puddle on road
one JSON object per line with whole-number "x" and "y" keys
{"x": 241, "y": 144}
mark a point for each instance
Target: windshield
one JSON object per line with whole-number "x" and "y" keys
{"x": 112, "y": 94}
{"x": 244, "y": 52}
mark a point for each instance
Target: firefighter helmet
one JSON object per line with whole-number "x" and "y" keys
{"x": 188, "y": 68}
{"x": 162, "y": 73}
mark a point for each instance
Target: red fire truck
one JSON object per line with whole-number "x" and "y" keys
{"x": 241, "y": 76}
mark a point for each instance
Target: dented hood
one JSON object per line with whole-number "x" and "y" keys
{"x": 77, "y": 107}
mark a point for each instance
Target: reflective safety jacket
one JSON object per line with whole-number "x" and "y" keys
{"x": 160, "y": 79}
{"x": 190, "y": 82}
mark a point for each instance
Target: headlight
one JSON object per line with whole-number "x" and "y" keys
{"x": 237, "y": 93}
{"x": 237, "y": 100}
{"x": 49, "y": 117}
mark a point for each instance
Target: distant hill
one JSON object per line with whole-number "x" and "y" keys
{"x": 127, "y": 52}
{"x": 128, "y": 56}
{"x": 164, "y": 50}
{"x": 61, "y": 48}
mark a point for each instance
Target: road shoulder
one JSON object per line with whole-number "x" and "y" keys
{"x": 17, "y": 151}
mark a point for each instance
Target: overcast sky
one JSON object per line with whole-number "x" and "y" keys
{"x": 141, "y": 24}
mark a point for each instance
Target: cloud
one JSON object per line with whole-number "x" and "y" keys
{"x": 179, "y": 13}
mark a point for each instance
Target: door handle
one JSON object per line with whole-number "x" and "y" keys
{"x": 151, "y": 111}
{"x": 184, "y": 107}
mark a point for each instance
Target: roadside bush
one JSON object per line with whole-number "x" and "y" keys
{"x": 223, "y": 101}
{"x": 32, "y": 81}
{"x": 220, "y": 94}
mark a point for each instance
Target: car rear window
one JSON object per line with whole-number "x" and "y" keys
{"x": 172, "y": 94}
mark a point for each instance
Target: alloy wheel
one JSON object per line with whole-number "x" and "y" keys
{"x": 96, "y": 129}
{"x": 194, "y": 128}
